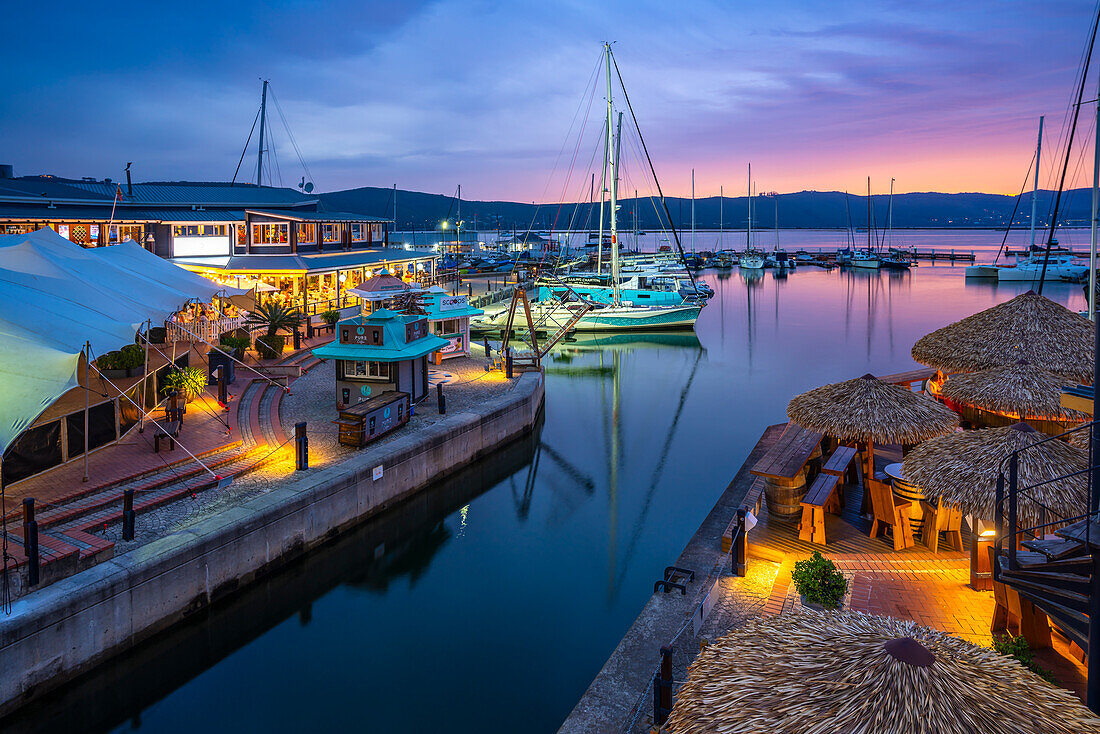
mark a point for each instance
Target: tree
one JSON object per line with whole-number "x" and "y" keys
{"x": 275, "y": 317}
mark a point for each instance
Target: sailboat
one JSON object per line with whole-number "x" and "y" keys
{"x": 895, "y": 258}
{"x": 751, "y": 259}
{"x": 779, "y": 258}
{"x": 610, "y": 311}
{"x": 867, "y": 259}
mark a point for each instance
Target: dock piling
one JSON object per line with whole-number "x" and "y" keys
{"x": 301, "y": 447}
{"x": 440, "y": 398}
{"x": 30, "y": 542}
{"x": 129, "y": 518}
{"x": 662, "y": 688}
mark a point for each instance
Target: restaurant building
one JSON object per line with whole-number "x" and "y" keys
{"x": 237, "y": 234}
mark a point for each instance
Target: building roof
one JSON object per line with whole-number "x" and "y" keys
{"x": 393, "y": 348}
{"x": 321, "y": 262}
{"x": 323, "y": 216}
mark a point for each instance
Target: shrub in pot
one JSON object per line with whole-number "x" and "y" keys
{"x": 330, "y": 317}
{"x": 819, "y": 582}
{"x": 158, "y": 335}
{"x": 234, "y": 345}
{"x": 186, "y": 381}
{"x": 270, "y": 346}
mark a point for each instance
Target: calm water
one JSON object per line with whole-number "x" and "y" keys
{"x": 490, "y": 605}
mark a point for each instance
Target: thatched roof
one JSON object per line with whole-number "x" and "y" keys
{"x": 1022, "y": 388}
{"x": 1029, "y": 327}
{"x": 823, "y": 672}
{"x": 867, "y": 408}
{"x": 962, "y": 468}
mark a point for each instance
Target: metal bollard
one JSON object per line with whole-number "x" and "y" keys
{"x": 488, "y": 353}
{"x": 129, "y": 518}
{"x": 440, "y": 398}
{"x": 297, "y": 339}
{"x": 30, "y": 542}
{"x": 740, "y": 552}
{"x": 508, "y": 363}
{"x": 470, "y": 289}
{"x": 662, "y": 688}
{"x": 301, "y": 447}
{"x": 223, "y": 389}
{"x": 309, "y": 328}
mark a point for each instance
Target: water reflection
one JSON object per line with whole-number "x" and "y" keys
{"x": 400, "y": 544}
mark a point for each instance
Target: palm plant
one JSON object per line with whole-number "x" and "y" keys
{"x": 410, "y": 303}
{"x": 275, "y": 317}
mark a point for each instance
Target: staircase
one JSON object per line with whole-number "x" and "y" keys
{"x": 1054, "y": 565}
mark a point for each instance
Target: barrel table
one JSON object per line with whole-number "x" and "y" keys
{"x": 906, "y": 491}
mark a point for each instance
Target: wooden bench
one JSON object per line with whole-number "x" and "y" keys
{"x": 840, "y": 462}
{"x": 789, "y": 455}
{"x": 166, "y": 430}
{"x": 821, "y": 497}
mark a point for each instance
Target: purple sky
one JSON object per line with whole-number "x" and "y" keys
{"x": 938, "y": 95}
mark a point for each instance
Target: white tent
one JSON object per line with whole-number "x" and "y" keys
{"x": 56, "y": 295}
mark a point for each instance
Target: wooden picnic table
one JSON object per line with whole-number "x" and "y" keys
{"x": 790, "y": 453}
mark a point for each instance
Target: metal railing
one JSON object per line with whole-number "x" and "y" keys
{"x": 205, "y": 329}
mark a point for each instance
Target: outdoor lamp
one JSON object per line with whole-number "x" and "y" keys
{"x": 981, "y": 568}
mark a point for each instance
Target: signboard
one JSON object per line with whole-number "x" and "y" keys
{"x": 452, "y": 303}
{"x": 416, "y": 330}
{"x": 454, "y": 346}
{"x": 377, "y": 474}
{"x": 369, "y": 335}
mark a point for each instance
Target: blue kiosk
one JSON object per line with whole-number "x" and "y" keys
{"x": 380, "y": 352}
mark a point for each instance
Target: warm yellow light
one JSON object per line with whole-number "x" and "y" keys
{"x": 987, "y": 533}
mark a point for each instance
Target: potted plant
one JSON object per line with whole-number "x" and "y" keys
{"x": 273, "y": 318}
{"x": 122, "y": 363}
{"x": 819, "y": 582}
{"x": 158, "y": 335}
{"x": 229, "y": 348}
{"x": 186, "y": 381}
{"x": 330, "y": 317}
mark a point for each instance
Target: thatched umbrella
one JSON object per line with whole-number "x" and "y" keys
{"x": 824, "y": 672}
{"x": 962, "y": 469}
{"x": 1029, "y": 327}
{"x": 1021, "y": 389}
{"x": 869, "y": 410}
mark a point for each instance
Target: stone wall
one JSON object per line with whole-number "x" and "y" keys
{"x": 68, "y": 627}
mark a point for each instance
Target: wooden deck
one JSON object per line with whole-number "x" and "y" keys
{"x": 846, "y": 534}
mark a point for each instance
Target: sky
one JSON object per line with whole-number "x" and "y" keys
{"x": 940, "y": 96}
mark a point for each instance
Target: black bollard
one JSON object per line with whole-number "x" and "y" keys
{"x": 301, "y": 447}
{"x": 309, "y": 328}
{"x": 662, "y": 688}
{"x": 223, "y": 389}
{"x": 471, "y": 289}
{"x": 30, "y": 542}
{"x": 440, "y": 398}
{"x": 740, "y": 552}
{"x": 129, "y": 518}
{"x": 297, "y": 339}
{"x": 508, "y": 363}
{"x": 488, "y": 353}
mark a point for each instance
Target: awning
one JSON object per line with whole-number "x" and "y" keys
{"x": 55, "y": 296}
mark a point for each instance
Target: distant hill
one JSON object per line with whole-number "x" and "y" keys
{"x": 804, "y": 209}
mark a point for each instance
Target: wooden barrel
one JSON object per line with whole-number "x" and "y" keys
{"x": 784, "y": 496}
{"x": 906, "y": 491}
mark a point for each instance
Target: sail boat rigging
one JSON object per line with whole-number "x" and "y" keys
{"x": 751, "y": 258}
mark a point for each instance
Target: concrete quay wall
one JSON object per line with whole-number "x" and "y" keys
{"x": 64, "y": 629}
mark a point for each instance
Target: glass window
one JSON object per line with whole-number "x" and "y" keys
{"x": 242, "y": 236}
{"x": 360, "y": 232}
{"x": 270, "y": 234}
{"x": 307, "y": 233}
{"x": 330, "y": 232}
{"x": 199, "y": 230}
{"x": 379, "y": 369}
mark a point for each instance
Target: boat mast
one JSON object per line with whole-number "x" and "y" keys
{"x": 1035, "y": 188}
{"x": 1095, "y": 209}
{"x": 603, "y": 178}
{"x": 748, "y": 230}
{"x": 777, "y": 222}
{"x": 869, "y": 250}
{"x": 613, "y": 164}
{"x": 260, "y": 145}
{"x": 721, "y": 229}
{"x": 693, "y": 210}
{"x": 890, "y": 216}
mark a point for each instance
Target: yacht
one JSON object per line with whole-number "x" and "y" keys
{"x": 1059, "y": 267}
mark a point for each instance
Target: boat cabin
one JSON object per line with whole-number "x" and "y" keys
{"x": 378, "y": 352}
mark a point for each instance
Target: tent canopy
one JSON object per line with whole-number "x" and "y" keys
{"x": 55, "y": 296}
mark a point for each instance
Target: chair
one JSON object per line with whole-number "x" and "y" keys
{"x": 941, "y": 518}
{"x": 892, "y": 513}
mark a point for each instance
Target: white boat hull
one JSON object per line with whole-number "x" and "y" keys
{"x": 1032, "y": 272}
{"x": 553, "y": 315}
{"x": 867, "y": 263}
{"x": 982, "y": 271}
{"x": 751, "y": 262}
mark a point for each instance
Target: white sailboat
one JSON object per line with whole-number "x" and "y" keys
{"x": 615, "y": 315}
{"x": 751, "y": 259}
{"x": 867, "y": 259}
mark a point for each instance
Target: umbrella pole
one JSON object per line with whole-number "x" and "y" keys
{"x": 87, "y": 387}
